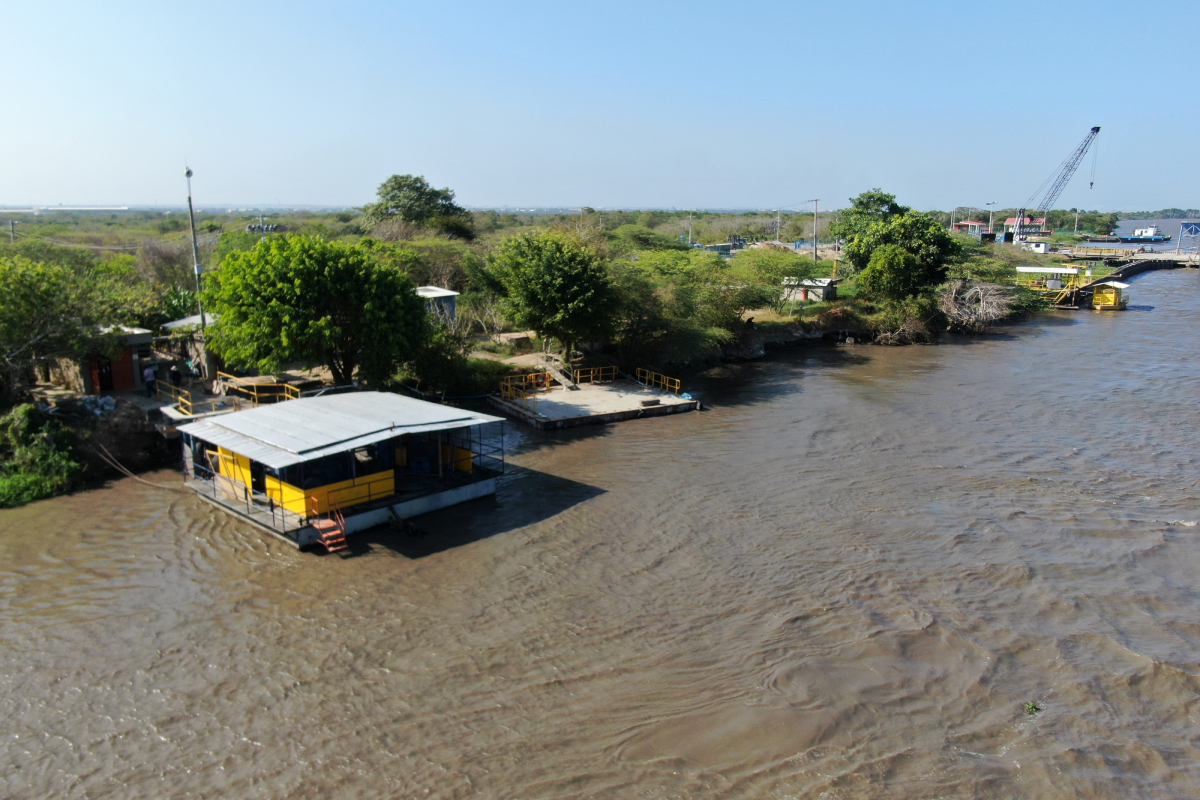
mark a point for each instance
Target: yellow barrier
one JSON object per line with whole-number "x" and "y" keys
{"x": 595, "y": 374}
{"x": 1110, "y": 252}
{"x": 190, "y": 406}
{"x": 258, "y": 392}
{"x": 658, "y": 380}
{"x": 521, "y": 389}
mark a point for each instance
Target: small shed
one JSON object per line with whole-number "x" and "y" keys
{"x": 439, "y": 302}
{"x": 819, "y": 289}
{"x": 1109, "y": 296}
{"x": 97, "y": 373}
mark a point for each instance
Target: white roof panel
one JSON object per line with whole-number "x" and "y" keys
{"x": 293, "y": 431}
{"x": 1051, "y": 270}
{"x": 435, "y": 291}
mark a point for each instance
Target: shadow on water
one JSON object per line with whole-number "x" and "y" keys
{"x": 521, "y": 438}
{"x": 524, "y": 497}
{"x": 779, "y": 373}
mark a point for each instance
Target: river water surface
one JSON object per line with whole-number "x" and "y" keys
{"x": 844, "y": 579}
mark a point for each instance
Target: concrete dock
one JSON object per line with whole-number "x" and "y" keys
{"x": 593, "y": 404}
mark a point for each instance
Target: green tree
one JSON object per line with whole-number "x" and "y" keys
{"x": 927, "y": 241}
{"x": 864, "y": 211}
{"x": 892, "y": 274}
{"x": 628, "y": 239}
{"x": 767, "y": 267}
{"x": 300, "y": 298}
{"x": 555, "y": 285}
{"x": 47, "y": 311}
{"x": 411, "y": 199}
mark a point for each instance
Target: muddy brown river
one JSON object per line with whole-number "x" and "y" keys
{"x": 844, "y": 579}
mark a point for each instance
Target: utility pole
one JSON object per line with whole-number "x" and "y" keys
{"x": 814, "y": 202}
{"x": 196, "y": 263}
{"x": 1076, "y": 221}
{"x": 991, "y": 212}
{"x": 12, "y": 231}
{"x": 689, "y": 229}
{"x": 262, "y": 228}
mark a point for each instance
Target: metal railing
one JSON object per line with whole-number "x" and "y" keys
{"x": 234, "y": 494}
{"x": 522, "y": 389}
{"x": 256, "y": 392}
{"x": 657, "y": 380}
{"x": 348, "y": 496}
{"x": 596, "y": 374}
{"x": 1109, "y": 252}
{"x": 187, "y": 404}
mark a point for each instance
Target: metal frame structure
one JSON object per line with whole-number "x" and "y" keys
{"x": 1192, "y": 231}
{"x": 1057, "y": 182}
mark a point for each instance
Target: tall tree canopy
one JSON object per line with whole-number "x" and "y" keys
{"x": 51, "y": 310}
{"x": 555, "y": 285}
{"x": 411, "y": 199}
{"x": 301, "y": 298}
{"x": 919, "y": 234}
{"x": 892, "y": 274}
{"x": 864, "y": 211}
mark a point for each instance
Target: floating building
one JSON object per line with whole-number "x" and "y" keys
{"x": 316, "y": 469}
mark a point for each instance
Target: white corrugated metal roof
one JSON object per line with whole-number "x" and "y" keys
{"x": 1117, "y": 284}
{"x": 1051, "y": 270}
{"x": 435, "y": 291}
{"x": 301, "y": 430}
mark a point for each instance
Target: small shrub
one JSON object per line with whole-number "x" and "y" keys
{"x": 37, "y": 457}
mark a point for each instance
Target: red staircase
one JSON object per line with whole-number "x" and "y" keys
{"x": 331, "y": 531}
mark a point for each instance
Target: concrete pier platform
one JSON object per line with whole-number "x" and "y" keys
{"x": 593, "y": 404}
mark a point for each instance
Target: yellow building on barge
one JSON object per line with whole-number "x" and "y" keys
{"x": 316, "y": 469}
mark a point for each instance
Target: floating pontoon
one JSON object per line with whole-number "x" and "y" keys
{"x": 316, "y": 469}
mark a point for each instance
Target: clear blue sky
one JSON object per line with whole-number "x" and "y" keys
{"x": 616, "y": 104}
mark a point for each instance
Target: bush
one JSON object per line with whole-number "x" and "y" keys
{"x": 915, "y": 319}
{"x": 37, "y": 457}
{"x": 892, "y": 274}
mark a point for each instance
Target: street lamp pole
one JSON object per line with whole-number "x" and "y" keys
{"x": 991, "y": 212}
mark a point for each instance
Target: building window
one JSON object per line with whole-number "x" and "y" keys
{"x": 324, "y": 471}
{"x": 373, "y": 459}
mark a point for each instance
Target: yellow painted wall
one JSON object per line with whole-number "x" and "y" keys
{"x": 290, "y": 497}
{"x": 459, "y": 456}
{"x": 345, "y": 493}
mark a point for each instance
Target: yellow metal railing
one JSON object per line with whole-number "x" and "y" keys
{"x": 522, "y": 389}
{"x": 1110, "y": 252}
{"x": 187, "y": 404}
{"x": 169, "y": 391}
{"x": 595, "y": 374}
{"x": 266, "y": 392}
{"x": 658, "y": 380}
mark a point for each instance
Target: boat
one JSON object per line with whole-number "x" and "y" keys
{"x": 1151, "y": 234}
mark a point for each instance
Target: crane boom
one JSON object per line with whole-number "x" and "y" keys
{"x": 1058, "y": 181}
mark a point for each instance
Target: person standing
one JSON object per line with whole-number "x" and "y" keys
{"x": 175, "y": 375}
{"x": 150, "y": 379}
